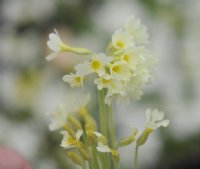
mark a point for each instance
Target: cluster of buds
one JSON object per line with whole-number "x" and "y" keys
{"x": 80, "y": 136}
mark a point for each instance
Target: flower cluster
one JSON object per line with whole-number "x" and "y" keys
{"x": 123, "y": 70}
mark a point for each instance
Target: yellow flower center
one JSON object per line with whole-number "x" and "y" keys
{"x": 77, "y": 80}
{"x": 105, "y": 81}
{"x": 95, "y": 64}
{"x": 126, "y": 58}
{"x": 116, "y": 68}
{"x": 71, "y": 141}
{"x": 120, "y": 44}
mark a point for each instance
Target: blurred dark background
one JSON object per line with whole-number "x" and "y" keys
{"x": 30, "y": 87}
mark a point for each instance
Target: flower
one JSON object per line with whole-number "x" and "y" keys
{"x": 73, "y": 79}
{"x": 155, "y": 119}
{"x": 137, "y": 31}
{"x": 58, "y": 118}
{"x": 121, "y": 39}
{"x": 68, "y": 141}
{"x": 120, "y": 71}
{"x": 57, "y": 46}
{"x": 95, "y": 65}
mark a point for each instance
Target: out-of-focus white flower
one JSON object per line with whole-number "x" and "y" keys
{"x": 58, "y": 118}
{"x": 155, "y": 119}
{"x": 137, "y": 31}
{"x": 121, "y": 39}
{"x": 68, "y": 141}
{"x": 57, "y": 45}
{"x": 73, "y": 79}
{"x": 80, "y": 102}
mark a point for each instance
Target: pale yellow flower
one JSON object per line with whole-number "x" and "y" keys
{"x": 120, "y": 71}
{"x": 121, "y": 39}
{"x": 73, "y": 79}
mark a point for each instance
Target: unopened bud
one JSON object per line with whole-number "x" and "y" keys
{"x": 128, "y": 140}
{"x": 142, "y": 139}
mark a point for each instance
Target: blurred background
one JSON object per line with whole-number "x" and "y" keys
{"x": 30, "y": 87}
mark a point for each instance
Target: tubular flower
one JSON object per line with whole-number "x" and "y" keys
{"x": 57, "y": 46}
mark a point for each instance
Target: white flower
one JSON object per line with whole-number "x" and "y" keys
{"x": 155, "y": 119}
{"x": 95, "y": 65}
{"x": 137, "y": 31}
{"x": 121, "y": 39}
{"x": 120, "y": 71}
{"x": 68, "y": 141}
{"x": 73, "y": 79}
{"x": 58, "y": 118}
{"x": 133, "y": 56}
{"x": 56, "y": 45}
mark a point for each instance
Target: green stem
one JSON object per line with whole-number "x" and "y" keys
{"x": 102, "y": 113}
{"x": 136, "y": 158}
{"x": 111, "y": 127}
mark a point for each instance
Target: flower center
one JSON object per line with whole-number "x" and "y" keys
{"x": 126, "y": 58}
{"x": 77, "y": 80}
{"x": 120, "y": 44}
{"x": 95, "y": 64}
{"x": 116, "y": 69}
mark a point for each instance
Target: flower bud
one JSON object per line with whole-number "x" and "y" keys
{"x": 128, "y": 140}
{"x": 142, "y": 139}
